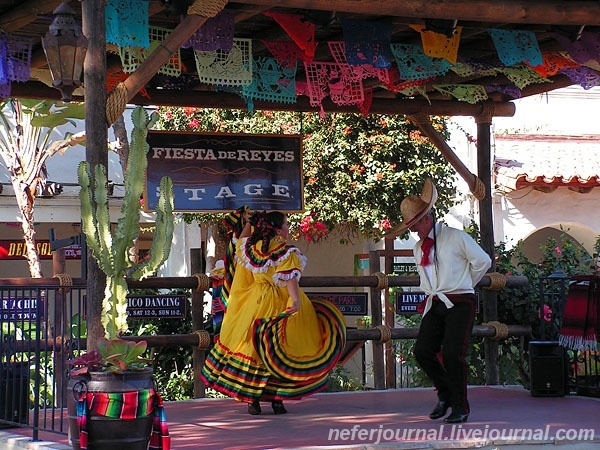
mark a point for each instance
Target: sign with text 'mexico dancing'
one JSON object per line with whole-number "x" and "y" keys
{"x": 223, "y": 172}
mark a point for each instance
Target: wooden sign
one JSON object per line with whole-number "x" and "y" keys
{"x": 405, "y": 269}
{"x": 349, "y": 303}
{"x": 223, "y": 172}
{"x": 407, "y": 302}
{"x": 21, "y": 308}
{"x": 156, "y": 306}
{"x": 16, "y": 249}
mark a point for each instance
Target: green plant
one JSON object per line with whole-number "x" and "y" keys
{"x": 341, "y": 379}
{"x": 172, "y": 366}
{"x": 111, "y": 247}
{"x": 363, "y": 322}
{"x": 26, "y": 142}
{"x": 120, "y": 355}
{"x": 114, "y": 355}
{"x": 356, "y": 168}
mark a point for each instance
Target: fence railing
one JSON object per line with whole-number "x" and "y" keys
{"x": 40, "y": 327}
{"x": 43, "y": 324}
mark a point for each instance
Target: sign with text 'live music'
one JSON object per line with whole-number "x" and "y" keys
{"x": 408, "y": 302}
{"x": 223, "y": 172}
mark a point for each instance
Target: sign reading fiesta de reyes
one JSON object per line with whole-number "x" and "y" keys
{"x": 223, "y": 172}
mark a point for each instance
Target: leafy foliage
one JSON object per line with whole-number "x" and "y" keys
{"x": 172, "y": 366}
{"x": 111, "y": 247}
{"x": 114, "y": 355}
{"x": 356, "y": 169}
{"x": 26, "y": 127}
{"x": 120, "y": 355}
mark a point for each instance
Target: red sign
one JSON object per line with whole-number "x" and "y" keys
{"x": 15, "y": 249}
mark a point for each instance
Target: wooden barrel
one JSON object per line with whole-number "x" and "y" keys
{"x": 106, "y": 433}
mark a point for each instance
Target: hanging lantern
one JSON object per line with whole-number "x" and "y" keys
{"x": 65, "y": 47}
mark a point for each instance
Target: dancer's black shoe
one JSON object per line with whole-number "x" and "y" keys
{"x": 278, "y": 407}
{"x": 440, "y": 410}
{"x": 254, "y": 408}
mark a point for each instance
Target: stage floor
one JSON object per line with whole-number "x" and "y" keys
{"x": 501, "y": 416}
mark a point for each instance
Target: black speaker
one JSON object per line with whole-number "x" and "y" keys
{"x": 547, "y": 369}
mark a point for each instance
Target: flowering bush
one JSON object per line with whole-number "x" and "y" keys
{"x": 546, "y": 314}
{"x": 356, "y": 169}
{"x": 313, "y": 230}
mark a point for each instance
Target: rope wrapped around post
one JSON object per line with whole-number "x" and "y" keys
{"x": 203, "y": 339}
{"x": 198, "y": 12}
{"x": 206, "y": 8}
{"x": 500, "y": 328}
{"x": 203, "y": 282}
{"x": 382, "y": 280}
{"x": 479, "y": 189}
{"x": 386, "y": 333}
{"x": 116, "y": 103}
{"x": 64, "y": 279}
{"x": 497, "y": 281}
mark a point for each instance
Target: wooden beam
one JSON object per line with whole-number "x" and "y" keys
{"x": 553, "y": 12}
{"x": 424, "y": 123}
{"x": 150, "y": 66}
{"x": 223, "y": 100}
{"x": 22, "y": 15}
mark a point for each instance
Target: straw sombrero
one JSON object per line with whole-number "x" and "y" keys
{"x": 414, "y": 207}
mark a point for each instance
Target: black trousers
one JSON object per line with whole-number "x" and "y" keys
{"x": 448, "y": 331}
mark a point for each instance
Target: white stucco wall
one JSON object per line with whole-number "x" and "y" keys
{"x": 569, "y": 111}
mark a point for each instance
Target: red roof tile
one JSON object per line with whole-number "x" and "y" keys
{"x": 546, "y": 162}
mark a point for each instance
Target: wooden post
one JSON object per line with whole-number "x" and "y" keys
{"x": 94, "y": 70}
{"x": 390, "y": 320}
{"x": 377, "y": 319}
{"x": 59, "y": 266}
{"x": 486, "y": 225}
{"x": 198, "y": 355}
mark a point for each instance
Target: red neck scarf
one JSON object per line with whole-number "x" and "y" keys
{"x": 425, "y": 250}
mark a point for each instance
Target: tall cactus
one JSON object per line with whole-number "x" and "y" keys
{"x": 111, "y": 248}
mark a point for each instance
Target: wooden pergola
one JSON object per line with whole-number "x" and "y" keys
{"x": 546, "y": 18}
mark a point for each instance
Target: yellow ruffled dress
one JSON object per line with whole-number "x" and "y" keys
{"x": 263, "y": 353}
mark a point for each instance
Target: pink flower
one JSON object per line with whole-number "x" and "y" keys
{"x": 313, "y": 230}
{"x": 169, "y": 116}
{"x": 385, "y": 224}
{"x": 558, "y": 250}
{"x": 546, "y": 315}
{"x": 194, "y": 123}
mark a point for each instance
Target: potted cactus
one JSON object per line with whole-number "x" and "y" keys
{"x": 117, "y": 369}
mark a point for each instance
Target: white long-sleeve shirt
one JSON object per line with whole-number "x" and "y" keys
{"x": 461, "y": 264}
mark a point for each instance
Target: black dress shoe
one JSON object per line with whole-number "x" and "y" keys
{"x": 254, "y": 408}
{"x": 278, "y": 407}
{"x": 440, "y": 410}
{"x": 456, "y": 417}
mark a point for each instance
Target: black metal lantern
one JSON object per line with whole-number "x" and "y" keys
{"x": 65, "y": 47}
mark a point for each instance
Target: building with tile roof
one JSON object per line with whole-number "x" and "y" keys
{"x": 546, "y": 169}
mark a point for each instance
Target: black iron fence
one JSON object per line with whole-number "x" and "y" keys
{"x": 561, "y": 296}
{"x": 41, "y": 326}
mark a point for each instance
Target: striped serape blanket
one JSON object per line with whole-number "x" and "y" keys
{"x": 125, "y": 405}
{"x": 580, "y": 319}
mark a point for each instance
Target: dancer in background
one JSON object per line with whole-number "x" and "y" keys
{"x": 222, "y": 274}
